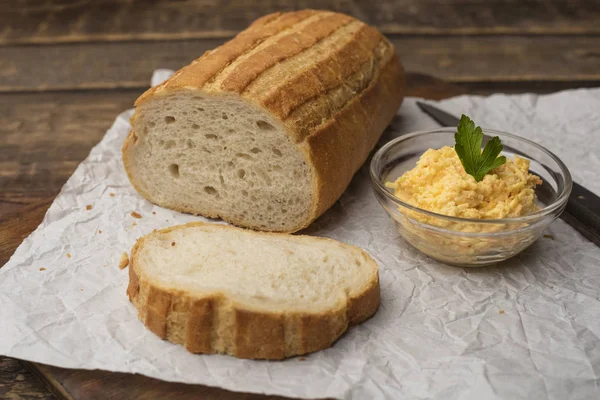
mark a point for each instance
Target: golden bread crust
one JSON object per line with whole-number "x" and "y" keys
{"x": 213, "y": 323}
{"x": 334, "y": 106}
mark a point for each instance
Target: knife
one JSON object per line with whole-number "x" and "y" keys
{"x": 583, "y": 207}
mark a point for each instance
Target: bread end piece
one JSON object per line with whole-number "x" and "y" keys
{"x": 216, "y": 323}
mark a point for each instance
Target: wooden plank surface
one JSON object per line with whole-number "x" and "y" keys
{"x": 17, "y": 382}
{"x": 72, "y": 384}
{"x": 454, "y": 59}
{"x": 43, "y": 21}
{"x": 45, "y": 136}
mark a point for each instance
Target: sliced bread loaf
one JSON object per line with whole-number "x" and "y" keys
{"x": 267, "y": 130}
{"x": 221, "y": 289}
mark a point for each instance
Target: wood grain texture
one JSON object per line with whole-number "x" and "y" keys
{"x": 43, "y": 21}
{"x": 17, "y": 382}
{"x": 45, "y": 136}
{"x": 454, "y": 59}
{"x": 102, "y": 385}
{"x": 16, "y": 226}
{"x": 539, "y": 87}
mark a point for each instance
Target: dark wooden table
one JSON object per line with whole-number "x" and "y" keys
{"x": 68, "y": 67}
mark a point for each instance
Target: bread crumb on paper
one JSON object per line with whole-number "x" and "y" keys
{"x": 124, "y": 262}
{"x": 88, "y": 207}
{"x": 153, "y": 212}
{"x": 111, "y": 194}
{"x": 68, "y": 255}
{"x": 136, "y": 215}
{"x": 500, "y": 311}
{"x": 173, "y": 243}
{"x": 99, "y": 230}
{"x": 42, "y": 269}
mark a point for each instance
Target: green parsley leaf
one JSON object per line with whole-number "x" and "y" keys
{"x": 468, "y": 140}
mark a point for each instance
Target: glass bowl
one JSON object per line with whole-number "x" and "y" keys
{"x": 462, "y": 241}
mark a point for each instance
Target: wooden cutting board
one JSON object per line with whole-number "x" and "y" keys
{"x": 103, "y": 385}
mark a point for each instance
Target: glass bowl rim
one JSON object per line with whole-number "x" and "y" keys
{"x": 549, "y": 209}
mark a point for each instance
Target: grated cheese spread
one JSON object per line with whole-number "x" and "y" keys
{"x": 440, "y": 184}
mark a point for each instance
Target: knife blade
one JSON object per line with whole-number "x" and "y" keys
{"x": 583, "y": 207}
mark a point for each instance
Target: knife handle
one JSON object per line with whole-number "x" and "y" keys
{"x": 583, "y": 213}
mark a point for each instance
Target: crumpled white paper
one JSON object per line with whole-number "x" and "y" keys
{"x": 526, "y": 329}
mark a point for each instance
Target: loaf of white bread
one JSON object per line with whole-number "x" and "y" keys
{"x": 267, "y": 130}
{"x": 221, "y": 289}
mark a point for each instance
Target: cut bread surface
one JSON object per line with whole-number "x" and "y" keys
{"x": 267, "y": 130}
{"x": 227, "y": 285}
{"x": 268, "y": 271}
{"x": 219, "y": 156}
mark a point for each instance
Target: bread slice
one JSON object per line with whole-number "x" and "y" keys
{"x": 267, "y": 130}
{"x": 221, "y": 289}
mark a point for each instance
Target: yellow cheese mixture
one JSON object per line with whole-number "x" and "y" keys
{"x": 440, "y": 184}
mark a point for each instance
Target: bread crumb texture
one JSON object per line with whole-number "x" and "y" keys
{"x": 267, "y": 130}
{"x": 124, "y": 261}
{"x": 136, "y": 215}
